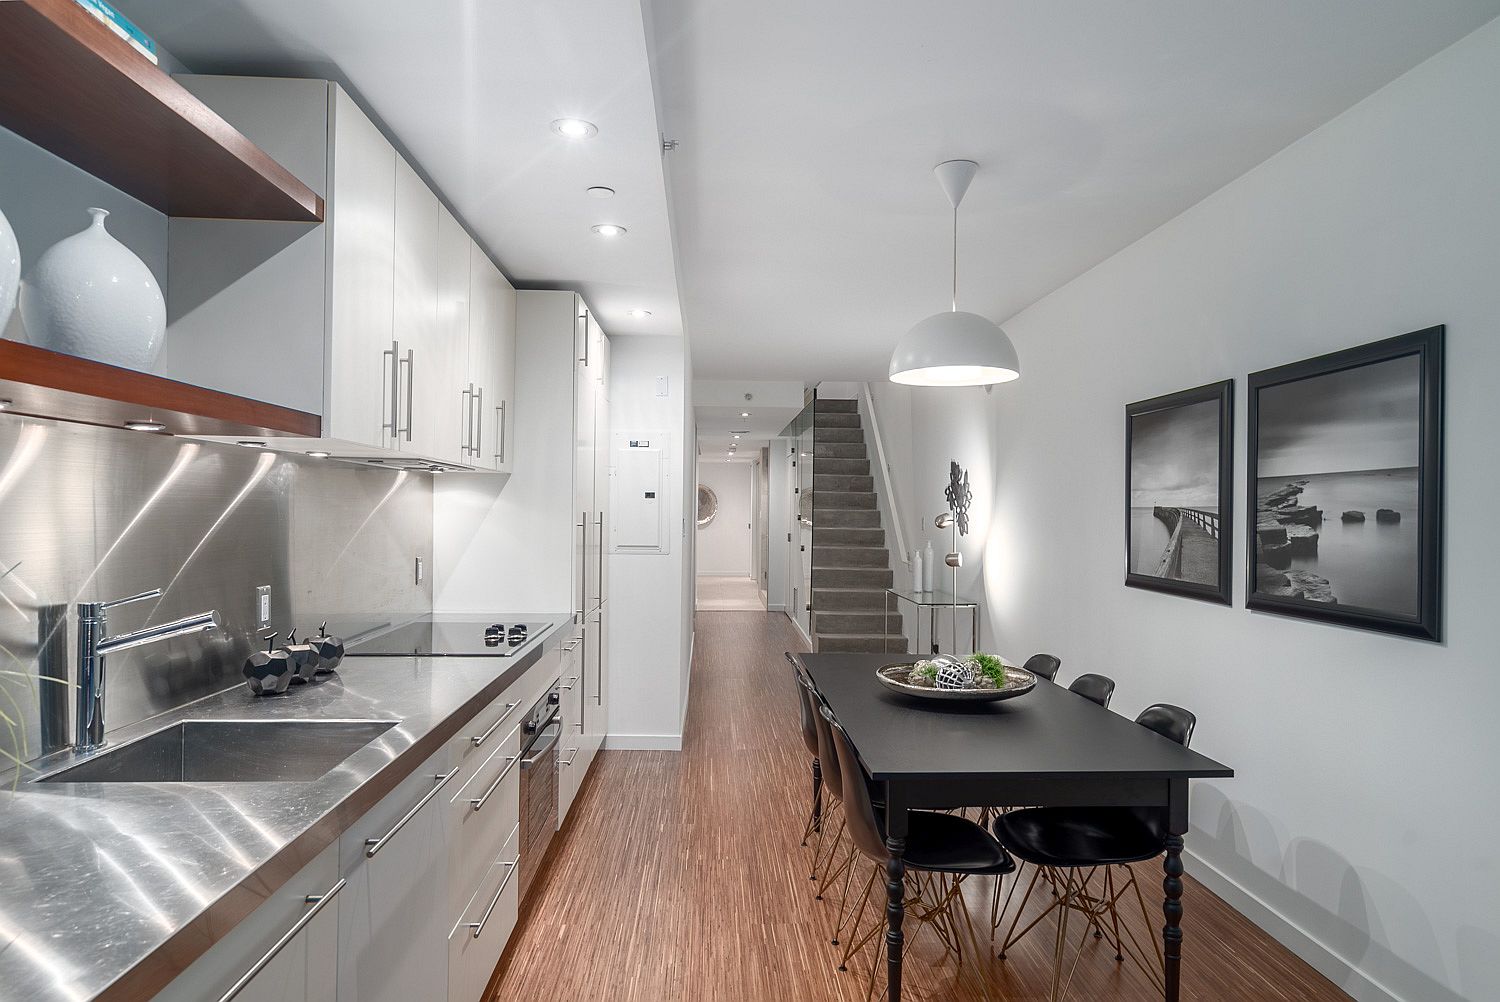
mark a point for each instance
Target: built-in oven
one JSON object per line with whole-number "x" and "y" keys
{"x": 539, "y": 736}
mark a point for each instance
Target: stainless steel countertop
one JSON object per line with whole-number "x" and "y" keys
{"x": 108, "y": 891}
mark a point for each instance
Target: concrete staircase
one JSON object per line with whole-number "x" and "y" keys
{"x": 851, "y": 566}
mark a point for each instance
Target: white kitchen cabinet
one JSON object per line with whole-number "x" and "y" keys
{"x": 415, "y": 333}
{"x": 446, "y": 376}
{"x": 570, "y": 743}
{"x": 478, "y": 938}
{"x": 392, "y": 935}
{"x": 284, "y": 951}
{"x": 492, "y": 366}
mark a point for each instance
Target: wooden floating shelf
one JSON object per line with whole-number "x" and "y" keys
{"x": 73, "y": 87}
{"x": 48, "y": 384}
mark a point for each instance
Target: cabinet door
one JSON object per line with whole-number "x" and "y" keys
{"x": 415, "y": 312}
{"x": 392, "y": 936}
{"x": 361, "y": 378}
{"x": 601, "y": 461}
{"x": 595, "y": 708}
{"x": 501, "y": 414}
{"x": 570, "y": 745}
{"x": 585, "y": 399}
{"x": 482, "y": 365}
{"x": 448, "y": 371}
{"x": 284, "y": 951}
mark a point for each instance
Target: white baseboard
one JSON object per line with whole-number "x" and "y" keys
{"x": 1341, "y": 972}
{"x": 775, "y": 608}
{"x": 805, "y": 638}
{"x": 643, "y": 742}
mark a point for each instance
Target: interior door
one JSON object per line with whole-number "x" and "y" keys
{"x": 361, "y": 378}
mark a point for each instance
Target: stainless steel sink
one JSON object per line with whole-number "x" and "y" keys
{"x": 229, "y": 751}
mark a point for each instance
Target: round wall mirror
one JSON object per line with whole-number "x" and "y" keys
{"x": 708, "y": 505}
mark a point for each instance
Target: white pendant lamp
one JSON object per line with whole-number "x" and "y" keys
{"x": 955, "y": 348}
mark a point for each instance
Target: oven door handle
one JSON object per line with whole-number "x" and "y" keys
{"x": 541, "y": 748}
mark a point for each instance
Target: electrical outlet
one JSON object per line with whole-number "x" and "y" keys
{"x": 263, "y": 606}
{"x": 420, "y": 574}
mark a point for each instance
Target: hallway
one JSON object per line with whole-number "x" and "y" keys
{"x": 679, "y": 877}
{"x": 722, "y": 593}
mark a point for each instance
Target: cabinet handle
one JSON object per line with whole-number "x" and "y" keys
{"x": 583, "y": 331}
{"x": 374, "y": 845}
{"x": 475, "y": 928}
{"x": 571, "y": 683}
{"x": 480, "y": 739}
{"x": 583, "y": 557}
{"x": 317, "y": 901}
{"x": 468, "y": 400}
{"x": 500, "y": 445}
{"x": 571, "y": 757}
{"x": 393, "y": 396}
{"x": 479, "y": 801}
{"x": 410, "y": 361}
{"x": 479, "y": 421}
{"x": 599, "y": 664}
{"x": 571, "y": 647}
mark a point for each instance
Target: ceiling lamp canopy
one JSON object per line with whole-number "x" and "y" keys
{"x": 955, "y": 348}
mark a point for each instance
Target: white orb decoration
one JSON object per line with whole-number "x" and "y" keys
{"x": 88, "y": 295}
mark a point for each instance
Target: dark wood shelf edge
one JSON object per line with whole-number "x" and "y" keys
{"x": 70, "y": 85}
{"x": 48, "y": 384}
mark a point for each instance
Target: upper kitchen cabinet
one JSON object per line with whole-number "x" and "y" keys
{"x": 388, "y": 320}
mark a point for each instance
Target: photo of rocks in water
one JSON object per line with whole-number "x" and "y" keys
{"x": 1179, "y": 469}
{"x": 1337, "y": 469}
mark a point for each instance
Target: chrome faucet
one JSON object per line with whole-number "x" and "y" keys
{"x": 94, "y": 645}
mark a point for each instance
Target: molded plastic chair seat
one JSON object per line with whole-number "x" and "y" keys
{"x": 1097, "y": 688}
{"x": 1078, "y": 836}
{"x": 1043, "y": 665}
{"x": 947, "y": 843}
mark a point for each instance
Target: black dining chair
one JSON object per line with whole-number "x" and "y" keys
{"x": 1097, "y": 688}
{"x": 1043, "y": 665}
{"x": 808, "y": 706}
{"x": 941, "y": 851}
{"x": 1069, "y": 845}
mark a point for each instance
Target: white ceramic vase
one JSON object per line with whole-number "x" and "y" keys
{"x": 88, "y": 295}
{"x": 10, "y": 271}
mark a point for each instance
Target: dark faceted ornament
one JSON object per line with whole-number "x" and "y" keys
{"x": 269, "y": 672}
{"x": 330, "y": 650}
{"x": 304, "y": 659}
{"x": 958, "y": 495}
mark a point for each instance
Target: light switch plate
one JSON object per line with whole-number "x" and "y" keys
{"x": 263, "y": 605}
{"x": 419, "y": 573}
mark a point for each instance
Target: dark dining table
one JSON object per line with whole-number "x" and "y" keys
{"x": 1046, "y": 748}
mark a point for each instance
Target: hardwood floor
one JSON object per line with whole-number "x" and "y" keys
{"x": 679, "y": 877}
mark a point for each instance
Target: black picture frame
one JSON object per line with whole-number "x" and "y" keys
{"x": 1426, "y": 623}
{"x": 1221, "y": 393}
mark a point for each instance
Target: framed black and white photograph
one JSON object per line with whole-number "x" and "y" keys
{"x": 1345, "y": 486}
{"x": 1179, "y": 480}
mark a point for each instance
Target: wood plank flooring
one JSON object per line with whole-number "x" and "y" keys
{"x": 679, "y": 877}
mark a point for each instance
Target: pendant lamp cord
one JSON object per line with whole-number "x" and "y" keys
{"x": 955, "y": 259}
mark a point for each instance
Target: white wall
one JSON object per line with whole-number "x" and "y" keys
{"x": 724, "y": 543}
{"x": 1360, "y": 824}
{"x": 648, "y": 607}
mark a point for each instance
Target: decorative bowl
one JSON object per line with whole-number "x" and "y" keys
{"x": 1018, "y": 682}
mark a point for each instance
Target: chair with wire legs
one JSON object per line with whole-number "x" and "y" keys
{"x": 941, "y": 850}
{"x": 1043, "y": 665}
{"x": 1095, "y": 688}
{"x": 809, "y": 710}
{"x": 1074, "y": 845}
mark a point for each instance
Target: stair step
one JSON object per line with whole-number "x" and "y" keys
{"x": 842, "y": 467}
{"x": 833, "y": 405}
{"x": 850, "y": 556}
{"x": 826, "y": 500}
{"x": 860, "y": 643}
{"x": 838, "y": 450}
{"x": 845, "y": 518}
{"x": 841, "y": 482}
{"x": 851, "y": 577}
{"x": 821, "y": 434}
{"x": 870, "y": 623}
{"x": 836, "y": 419}
{"x": 853, "y": 600}
{"x": 827, "y": 535}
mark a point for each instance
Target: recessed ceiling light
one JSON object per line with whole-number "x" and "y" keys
{"x": 251, "y": 443}
{"x": 640, "y": 314}
{"x": 736, "y": 436}
{"x": 575, "y": 128}
{"x": 145, "y": 426}
{"x": 609, "y": 230}
{"x": 4, "y": 404}
{"x": 744, "y": 413}
{"x": 599, "y": 191}
{"x": 318, "y": 454}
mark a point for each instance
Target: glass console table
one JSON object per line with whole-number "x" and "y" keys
{"x": 932, "y": 601}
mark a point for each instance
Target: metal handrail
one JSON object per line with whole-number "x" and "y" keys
{"x": 887, "y": 489}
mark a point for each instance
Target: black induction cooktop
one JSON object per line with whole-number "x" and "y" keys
{"x": 448, "y": 638}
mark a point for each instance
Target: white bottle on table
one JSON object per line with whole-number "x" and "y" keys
{"x": 927, "y": 566}
{"x": 916, "y": 571}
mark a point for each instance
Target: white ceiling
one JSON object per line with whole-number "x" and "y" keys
{"x": 811, "y": 232}
{"x": 468, "y": 89}
{"x": 719, "y": 407}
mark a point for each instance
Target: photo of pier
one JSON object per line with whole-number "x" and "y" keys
{"x": 1177, "y": 455}
{"x": 1338, "y": 519}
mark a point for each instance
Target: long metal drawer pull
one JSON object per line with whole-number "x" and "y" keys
{"x": 475, "y": 928}
{"x": 571, "y": 683}
{"x": 480, "y": 739}
{"x": 479, "y": 801}
{"x": 317, "y": 901}
{"x": 500, "y": 453}
{"x": 571, "y": 647}
{"x": 374, "y": 845}
{"x": 393, "y": 398}
{"x": 583, "y": 558}
{"x": 571, "y": 757}
{"x": 479, "y": 421}
{"x": 411, "y": 377}
{"x": 468, "y": 405}
{"x": 599, "y": 524}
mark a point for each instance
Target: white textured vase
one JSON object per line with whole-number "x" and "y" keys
{"x": 10, "y": 271}
{"x": 88, "y": 295}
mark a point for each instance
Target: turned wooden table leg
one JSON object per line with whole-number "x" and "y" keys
{"x": 1171, "y": 933}
{"x": 895, "y": 911}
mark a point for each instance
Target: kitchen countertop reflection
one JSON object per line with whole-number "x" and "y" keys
{"x": 108, "y": 890}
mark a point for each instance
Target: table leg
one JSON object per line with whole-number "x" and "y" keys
{"x": 895, "y": 911}
{"x": 1171, "y": 933}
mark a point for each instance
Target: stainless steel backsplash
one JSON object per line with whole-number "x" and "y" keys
{"x": 90, "y": 514}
